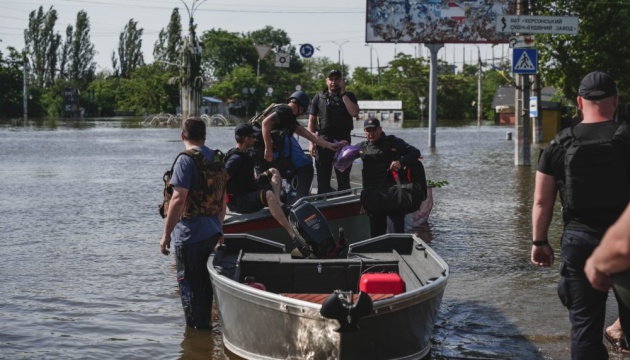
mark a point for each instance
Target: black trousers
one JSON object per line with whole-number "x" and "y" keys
{"x": 378, "y": 224}
{"x": 587, "y": 306}
{"x": 325, "y": 162}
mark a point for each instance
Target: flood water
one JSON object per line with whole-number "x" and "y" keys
{"x": 82, "y": 275}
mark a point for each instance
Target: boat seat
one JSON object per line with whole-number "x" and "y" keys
{"x": 320, "y": 298}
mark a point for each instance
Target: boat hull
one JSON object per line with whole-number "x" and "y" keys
{"x": 259, "y": 324}
{"x": 341, "y": 209}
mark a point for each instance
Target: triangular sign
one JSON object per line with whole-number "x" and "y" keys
{"x": 524, "y": 63}
{"x": 262, "y": 50}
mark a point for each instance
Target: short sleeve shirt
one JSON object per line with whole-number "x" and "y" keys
{"x": 191, "y": 230}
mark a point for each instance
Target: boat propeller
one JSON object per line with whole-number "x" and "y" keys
{"x": 338, "y": 306}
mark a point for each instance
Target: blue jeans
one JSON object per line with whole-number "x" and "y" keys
{"x": 587, "y": 306}
{"x": 195, "y": 288}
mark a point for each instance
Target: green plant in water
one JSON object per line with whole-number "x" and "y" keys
{"x": 436, "y": 184}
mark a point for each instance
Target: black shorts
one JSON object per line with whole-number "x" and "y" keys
{"x": 251, "y": 202}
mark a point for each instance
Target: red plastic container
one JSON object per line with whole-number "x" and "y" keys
{"x": 379, "y": 283}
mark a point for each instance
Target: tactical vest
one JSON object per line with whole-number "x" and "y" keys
{"x": 380, "y": 157}
{"x": 207, "y": 196}
{"x": 277, "y": 135}
{"x": 333, "y": 115}
{"x": 595, "y": 171}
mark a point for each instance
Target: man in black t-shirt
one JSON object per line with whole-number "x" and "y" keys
{"x": 589, "y": 166}
{"x": 248, "y": 193}
{"x": 335, "y": 107}
{"x": 275, "y": 131}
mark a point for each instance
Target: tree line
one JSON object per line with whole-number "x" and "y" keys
{"x": 58, "y": 60}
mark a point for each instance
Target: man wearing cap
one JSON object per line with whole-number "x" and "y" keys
{"x": 276, "y": 131}
{"x": 589, "y": 165}
{"x": 381, "y": 155}
{"x": 248, "y": 193}
{"x": 335, "y": 107}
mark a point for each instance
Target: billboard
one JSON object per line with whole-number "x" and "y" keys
{"x": 436, "y": 21}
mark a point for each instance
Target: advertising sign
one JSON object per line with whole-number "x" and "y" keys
{"x": 436, "y": 21}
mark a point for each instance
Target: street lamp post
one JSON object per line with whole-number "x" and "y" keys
{"x": 378, "y": 65}
{"x": 340, "y": 54}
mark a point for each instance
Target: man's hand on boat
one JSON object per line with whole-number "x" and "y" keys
{"x": 165, "y": 244}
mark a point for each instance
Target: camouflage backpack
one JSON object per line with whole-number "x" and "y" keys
{"x": 208, "y": 196}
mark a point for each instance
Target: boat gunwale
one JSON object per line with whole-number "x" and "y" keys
{"x": 394, "y": 303}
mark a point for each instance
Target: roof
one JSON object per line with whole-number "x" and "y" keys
{"x": 212, "y": 99}
{"x": 505, "y": 96}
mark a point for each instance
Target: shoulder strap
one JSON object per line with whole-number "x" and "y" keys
{"x": 564, "y": 137}
{"x": 230, "y": 152}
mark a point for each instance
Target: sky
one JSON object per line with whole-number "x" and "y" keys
{"x": 336, "y": 29}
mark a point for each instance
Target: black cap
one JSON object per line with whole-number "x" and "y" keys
{"x": 371, "y": 122}
{"x": 334, "y": 72}
{"x": 596, "y": 86}
{"x": 243, "y": 130}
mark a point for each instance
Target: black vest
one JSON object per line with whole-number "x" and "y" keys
{"x": 595, "y": 172}
{"x": 376, "y": 160}
{"x": 333, "y": 115}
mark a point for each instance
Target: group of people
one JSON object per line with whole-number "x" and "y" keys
{"x": 589, "y": 166}
{"x": 265, "y": 153}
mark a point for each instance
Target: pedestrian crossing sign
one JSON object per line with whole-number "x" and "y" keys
{"x": 525, "y": 61}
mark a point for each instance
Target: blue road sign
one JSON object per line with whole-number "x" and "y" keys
{"x": 525, "y": 61}
{"x": 307, "y": 50}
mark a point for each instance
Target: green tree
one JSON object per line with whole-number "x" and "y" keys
{"x": 224, "y": 51}
{"x": 42, "y": 44}
{"x": 147, "y": 90}
{"x": 107, "y": 90}
{"x": 64, "y": 53}
{"x": 167, "y": 48}
{"x": 129, "y": 50}
{"x": 598, "y": 45}
{"x": 231, "y": 89}
{"x": 82, "y": 65}
{"x": 11, "y": 98}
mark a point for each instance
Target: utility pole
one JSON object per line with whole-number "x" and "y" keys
{"x": 479, "y": 110}
{"x": 522, "y": 145}
{"x": 25, "y": 66}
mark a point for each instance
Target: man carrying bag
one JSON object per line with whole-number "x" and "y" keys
{"x": 392, "y": 178}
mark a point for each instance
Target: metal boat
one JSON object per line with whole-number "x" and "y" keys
{"x": 270, "y": 304}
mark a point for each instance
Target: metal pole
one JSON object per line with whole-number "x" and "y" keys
{"x": 479, "y": 112}
{"x": 433, "y": 48}
{"x": 25, "y": 65}
{"x": 371, "y": 68}
{"x": 522, "y": 145}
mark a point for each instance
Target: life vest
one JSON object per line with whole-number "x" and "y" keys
{"x": 595, "y": 171}
{"x": 333, "y": 115}
{"x": 207, "y": 196}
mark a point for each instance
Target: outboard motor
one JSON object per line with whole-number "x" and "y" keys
{"x": 314, "y": 236}
{"x": 338, "y": 306}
